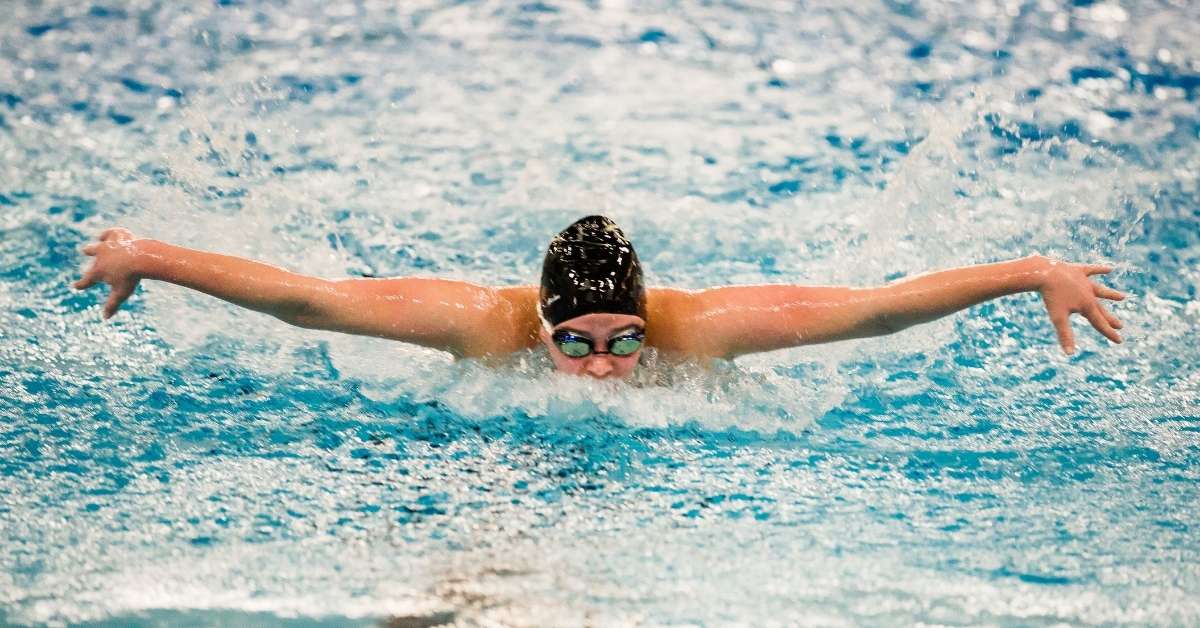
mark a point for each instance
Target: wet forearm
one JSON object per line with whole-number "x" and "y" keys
{"x": 246, "y": 283}
{"x": 933, "y": 295}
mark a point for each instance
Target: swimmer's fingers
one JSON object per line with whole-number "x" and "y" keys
{"x": 1096, "y": 316}
{"x": 1096, "y": 269}
{"x": 87, "y": 281}
{"x": 1112, "y": 319}
{"x": 1104, "y": 292}
{"x": 116, "y": 233}
{"x": 1066, "y": 338}
{"x": 118, "y": 296}
{"x": 90, "y": 276}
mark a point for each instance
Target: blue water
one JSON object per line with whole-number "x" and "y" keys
{"x": 187, "y": 462}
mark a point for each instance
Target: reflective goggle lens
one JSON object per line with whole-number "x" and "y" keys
{"x": 625, "y": 345}
{"x": 574, "y": 348}
{"x": 579, "y": 347}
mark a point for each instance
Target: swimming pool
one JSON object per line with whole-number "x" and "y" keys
{"x": 188, "y": 462}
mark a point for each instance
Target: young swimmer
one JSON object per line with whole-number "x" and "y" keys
{"x": 592, "y": 311}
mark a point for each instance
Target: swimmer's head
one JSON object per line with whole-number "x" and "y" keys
{"x": 592, "y": 286}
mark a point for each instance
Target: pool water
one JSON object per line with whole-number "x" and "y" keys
{"x": 191, "y": 463}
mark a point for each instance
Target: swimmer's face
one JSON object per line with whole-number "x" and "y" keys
{"x": 599, "y": 328}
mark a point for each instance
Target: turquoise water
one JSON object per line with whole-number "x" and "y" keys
{"x": 191, "y": 463}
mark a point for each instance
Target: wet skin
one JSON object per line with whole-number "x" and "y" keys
{"x": 474, "y": 321}
{"x": 598, "y": 327}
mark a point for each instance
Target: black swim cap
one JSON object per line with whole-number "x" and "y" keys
{"x": 591, "y": 268}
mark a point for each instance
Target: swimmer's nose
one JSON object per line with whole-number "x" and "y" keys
{"x": 599, "y": 366}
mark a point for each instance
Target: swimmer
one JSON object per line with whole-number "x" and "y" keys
{"x": 592, "y": 312}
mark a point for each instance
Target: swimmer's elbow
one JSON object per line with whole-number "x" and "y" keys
{"x": 299, "y": 314}
{"x": 883, "y": 325}
{"x": 317, "y": 306}
{"x": 296, "y": 319}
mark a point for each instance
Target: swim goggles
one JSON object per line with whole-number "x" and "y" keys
{"x": 576, "y": 346}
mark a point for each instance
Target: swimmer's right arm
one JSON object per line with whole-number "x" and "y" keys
{"x": 461, "y": 318}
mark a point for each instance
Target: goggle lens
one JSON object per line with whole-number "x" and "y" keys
{"x": 579, "y": 347}
{"x": 625, "y": 345}
{"x": 574, "y": 348}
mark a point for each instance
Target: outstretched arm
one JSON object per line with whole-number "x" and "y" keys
{"x": 735, "y": 320}
{"x": 459, "y": 317}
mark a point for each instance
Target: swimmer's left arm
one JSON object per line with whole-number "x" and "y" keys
{"x": 736, "y": 320}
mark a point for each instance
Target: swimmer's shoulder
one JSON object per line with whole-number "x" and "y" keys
{"x": 671, "y": 326}
{"x": 668, "y": 312}
{"x": 517, "y": 312}
{"x": 672, "y": 323}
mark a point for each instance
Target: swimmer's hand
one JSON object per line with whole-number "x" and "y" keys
{"x": 1066, "y": 290}
{"x": 114, "y": 254}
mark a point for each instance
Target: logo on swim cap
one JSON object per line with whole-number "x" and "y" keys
{"x": 591, "y": 268}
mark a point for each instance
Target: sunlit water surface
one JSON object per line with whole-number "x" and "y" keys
{"x": 191, "y": 462}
